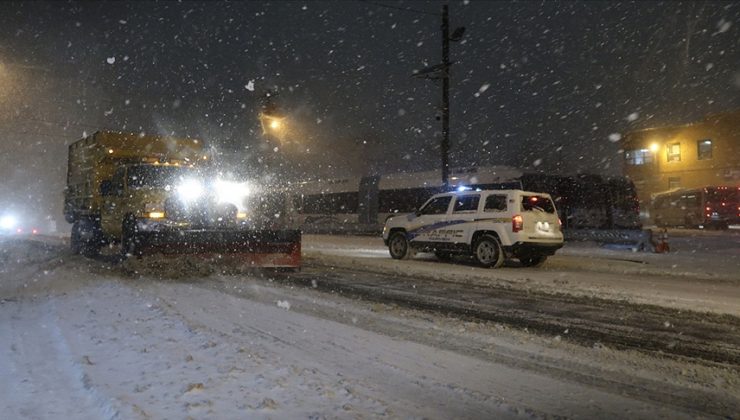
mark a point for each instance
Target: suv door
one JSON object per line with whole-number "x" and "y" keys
{"x": 465, "y": 212}
{"x": 496, "y": 211}
{"x": 431, "y": 216}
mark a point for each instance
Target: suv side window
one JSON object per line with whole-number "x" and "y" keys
{"x": 438, "y": 205}
{"x": 495, "y": 203}
{"x": 466, "y": 203}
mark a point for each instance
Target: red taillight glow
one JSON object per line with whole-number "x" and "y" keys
{"x": 708, "y": 208}
{"x": 517, "y": 223}
{"x": 560, "y": 222}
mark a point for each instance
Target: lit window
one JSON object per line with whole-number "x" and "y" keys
{"x": 704, "y": 148}
{"x": 674, "y": 152}
{"x": 674, "y": 182}
{"x": 638, "y": 157}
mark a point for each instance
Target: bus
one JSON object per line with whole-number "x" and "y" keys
{"x": 363, "y": 204}
{"x": 703, "y": 208}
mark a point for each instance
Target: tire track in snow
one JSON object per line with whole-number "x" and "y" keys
{"x": 43, "y": 377}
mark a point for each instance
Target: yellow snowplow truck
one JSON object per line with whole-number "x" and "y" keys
{"x": 161, "y": 195}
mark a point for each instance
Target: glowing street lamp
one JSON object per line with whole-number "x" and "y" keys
{"x": 654, "y": 147}
{"x": 272, "y": 124}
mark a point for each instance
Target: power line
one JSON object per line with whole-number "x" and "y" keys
{"x": 405, "y": 9}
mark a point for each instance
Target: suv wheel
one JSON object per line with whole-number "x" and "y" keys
{"x": 533, "y": 260}
{"x": 488, "y": 252}
{"x": 398, "y": 246}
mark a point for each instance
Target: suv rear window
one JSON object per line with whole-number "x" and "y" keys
{"x": 537, "y": 203}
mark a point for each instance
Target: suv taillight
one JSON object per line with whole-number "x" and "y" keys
{"x": 517, "y": 223}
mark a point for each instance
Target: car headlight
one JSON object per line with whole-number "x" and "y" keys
{"x": 232, "y": 192}
{"x": 190, "y": 190}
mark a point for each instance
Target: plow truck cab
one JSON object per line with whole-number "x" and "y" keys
{"x": 161, "y": 195}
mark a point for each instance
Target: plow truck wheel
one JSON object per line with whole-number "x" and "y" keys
{"x": 129, "y": 241}
{"x": 85, "y": 238}
{"x": 75, "y": 238}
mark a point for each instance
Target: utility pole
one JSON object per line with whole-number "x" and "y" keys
{"x": 445, "y": 146}
{"x": 442, "y": 71}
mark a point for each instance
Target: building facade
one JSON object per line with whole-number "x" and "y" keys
{"x": 700, "y": 154}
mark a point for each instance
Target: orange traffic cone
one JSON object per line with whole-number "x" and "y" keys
{"x": 663, "y": 246}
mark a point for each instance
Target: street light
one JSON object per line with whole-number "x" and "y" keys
{"x": 272, "y": 125}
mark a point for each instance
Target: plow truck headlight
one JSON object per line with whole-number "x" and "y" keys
{"x": 232, "y": 192}
{"x": 190, "y": 190}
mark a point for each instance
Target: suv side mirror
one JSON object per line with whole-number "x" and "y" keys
{"x": 106, "y": 188}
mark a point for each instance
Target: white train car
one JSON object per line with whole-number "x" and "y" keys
{"x": 362, "y": 204}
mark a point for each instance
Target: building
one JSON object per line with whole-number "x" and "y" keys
{"x": 704, "y": 153}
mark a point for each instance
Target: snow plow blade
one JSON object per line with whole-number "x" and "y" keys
{"x": 256, "y": 248}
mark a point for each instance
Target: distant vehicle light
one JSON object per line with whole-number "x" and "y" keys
{"x": 156, "y": 214}
{"x": 463, "y": 188}
{"x": 8, "y": 222}
{"x": 241, "y": 215}
{"x": 34, "y": 231}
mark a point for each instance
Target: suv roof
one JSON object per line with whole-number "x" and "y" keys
{"x": 468, "y": 192}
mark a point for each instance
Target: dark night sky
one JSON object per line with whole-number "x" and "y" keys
{"x": 538, "y": 85}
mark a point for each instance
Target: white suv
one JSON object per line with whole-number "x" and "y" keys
{"x": 489, "y": 225}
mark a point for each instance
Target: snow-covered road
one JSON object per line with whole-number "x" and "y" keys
{"x": 81, "y": 339}
{"x": 701, "y": 274}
